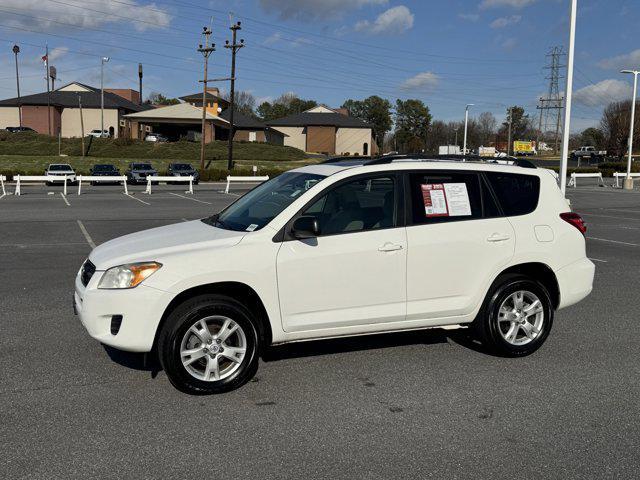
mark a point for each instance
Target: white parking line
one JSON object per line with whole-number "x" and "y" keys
{"x": 189, "y": 198}
{"x": 614, "y": 241}
{"x": 229, "y": 193}
{"x": 598, "y": 260}
{"x": 624, "y": 210}
{"x": 65, "y": 199}
{"x": 141, "y": 201}
{"x": 86, "y": 234}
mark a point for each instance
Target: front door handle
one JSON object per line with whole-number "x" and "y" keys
{"x": 498, "y": 237}
{"x": 389, "y": 247}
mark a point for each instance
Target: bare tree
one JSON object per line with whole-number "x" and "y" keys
{"x": 244, "y": 101}
{"x": 615, "y": 126}
{"x": 487, "y": 125}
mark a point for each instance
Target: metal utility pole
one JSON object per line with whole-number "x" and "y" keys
{"x": 81, "y": 122}
{"x": 16, "y": 51}
{"x": 509, "y": 137}
{"x": 569, "y": 92}
{"x": 46, "y": 73}
{"x": 466, "y": 120}
{"x": 140, "y": 83}
{"x": 628, "y": 181}
{"x": 234, "y": 48}
{"x": 456, "y": 130}
{"x": 102, "y": 62}
{"x": 205, "y": 51}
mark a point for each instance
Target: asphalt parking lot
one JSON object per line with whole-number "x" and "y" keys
{"x": 412, "y": 405}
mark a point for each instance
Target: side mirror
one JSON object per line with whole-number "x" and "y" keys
{"x": 305, "y": 227}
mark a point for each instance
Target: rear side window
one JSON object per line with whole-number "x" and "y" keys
{"x": 438, "y": 197}
{"x": 517, "y": 194}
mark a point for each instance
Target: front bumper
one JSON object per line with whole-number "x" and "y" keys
{"x": 575, "y": 281}
{"x": 141, "y": 309}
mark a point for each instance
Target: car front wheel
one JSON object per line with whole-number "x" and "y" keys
{"x": 209, "y": 344}
{"x": 517, "y": 316}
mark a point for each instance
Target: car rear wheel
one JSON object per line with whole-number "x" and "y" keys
{"x": 209, "y": 344}
{"x": 517, "y": 316}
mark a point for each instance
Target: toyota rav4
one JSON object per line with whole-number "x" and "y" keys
{"x": 342, "y": 249}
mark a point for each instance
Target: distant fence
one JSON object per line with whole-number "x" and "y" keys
{"x": 103, "y": 179}
{"x": 574, "y": 176}
{"x": 158, "y": 179}
{"x": 231, "y": 179}
{"x": 20, "y": 179}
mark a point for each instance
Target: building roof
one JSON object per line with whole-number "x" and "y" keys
{"x": 242, "y": 120}
{"x": 69, "y": 99}
{"x": 180, "y": 111}
{"x": 318, "y": 119}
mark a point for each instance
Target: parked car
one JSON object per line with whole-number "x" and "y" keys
{"x": 138, "y": 173}
{"x": 61, "y": 170}
{"x": 183, "y": 170}
{"x": 341, "y": 249}
{"x": 20, "y": 130}
{"x": 103, "y": 170}
{"x": 589, "y": 153}
{"x": 156, "y": 137}
{"x": 97, "y": 133}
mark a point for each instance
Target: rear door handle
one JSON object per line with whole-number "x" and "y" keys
{"x": 498, "y": 237}
{"x": 389, "y": 247}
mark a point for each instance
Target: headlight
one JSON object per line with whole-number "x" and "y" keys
{"x": 128, "y": 276}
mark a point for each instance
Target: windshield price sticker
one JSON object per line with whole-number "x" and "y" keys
{"x": 251, "y": 227}
{"x": 446, "y": 200}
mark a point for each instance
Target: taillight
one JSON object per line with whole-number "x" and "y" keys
{"x": 575, "y": 220}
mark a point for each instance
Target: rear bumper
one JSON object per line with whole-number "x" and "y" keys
{"x": 575, "y": 281}
{"x": 141, "y": 309}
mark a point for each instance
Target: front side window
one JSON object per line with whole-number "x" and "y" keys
{"x": 360, "y": 205}
{"x": 438, "y": 197}
{"x": 262, "y": 204}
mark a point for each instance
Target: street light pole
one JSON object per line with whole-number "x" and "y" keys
{"x": 16, "y": 51}
{"x": 628, "y": 181}
{"x": 569, "y": 92}
{"x": 103, "y": 61}
{"x": 466, "y": 120}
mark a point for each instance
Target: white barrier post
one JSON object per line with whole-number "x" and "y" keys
{"x": 2, "y": 179}
{"x": 244, "y": 179}
{"x": 17, "y": 192}
{"x": 191, "y": 184}
{"x": 65, "y": 185}
{"x": 148, "y": 190}
{"x": 169, "y": 179}
{"x": 79, "y": 178}
{"x": 574, "y": 176}
{"x": 107, "y": 178}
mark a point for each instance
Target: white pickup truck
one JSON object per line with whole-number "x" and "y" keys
{"x": 588, "y": 152}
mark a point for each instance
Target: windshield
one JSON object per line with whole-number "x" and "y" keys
{"x": 103, "y": 168}
{"x": 60, "y": 168}
{"x": 182, "y": 166}
{"x": 141, "y": 166}
{"x": 262, "y": 204}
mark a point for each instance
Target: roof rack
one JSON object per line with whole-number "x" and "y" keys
{"x": 345, "y": 158}
{"x": 448, "y": 158}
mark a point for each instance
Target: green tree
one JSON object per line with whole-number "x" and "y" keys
{"x": 412, "y": 124}
{"x": 156, "y": 98}
{"x": 593, "y": 137}
{"x": 286, "y": 104}
{"x": 374, "y": 110}
{"x": 521, "y": 128}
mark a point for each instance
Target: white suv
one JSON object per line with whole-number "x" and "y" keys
{"x": 342, "y": 249}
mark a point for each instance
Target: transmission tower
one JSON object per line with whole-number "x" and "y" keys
{"x": 551, "y": 106}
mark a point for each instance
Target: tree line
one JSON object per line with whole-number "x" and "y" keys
{"x": 408, "y": 126}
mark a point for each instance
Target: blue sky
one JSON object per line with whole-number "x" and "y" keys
{"x": 446, "y": 53}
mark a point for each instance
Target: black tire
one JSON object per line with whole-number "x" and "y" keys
{"x": 182, "y": 319}
{"x": 488, "y": 327}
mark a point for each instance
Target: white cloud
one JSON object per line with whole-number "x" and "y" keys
{"x": 273, "y": 38}
{"x": 604, "y": 92}
{"x": 628, "y": 60}
{"x": 85, "y": 16}
{"x": 505, "y": 3}
{"x": 310, "y": 10}
{"x": 395, "y": 20}
{"x": 57, "y": 53}
{"x": 471, "y": 17}
{"x": 505, "y": 21}
{"x": 421, "y": 81}
{"x": 509, "y": 44}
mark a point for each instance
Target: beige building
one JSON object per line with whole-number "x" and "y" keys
{"x": 63, "y": 105}
{"x": 323, "y": 130}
